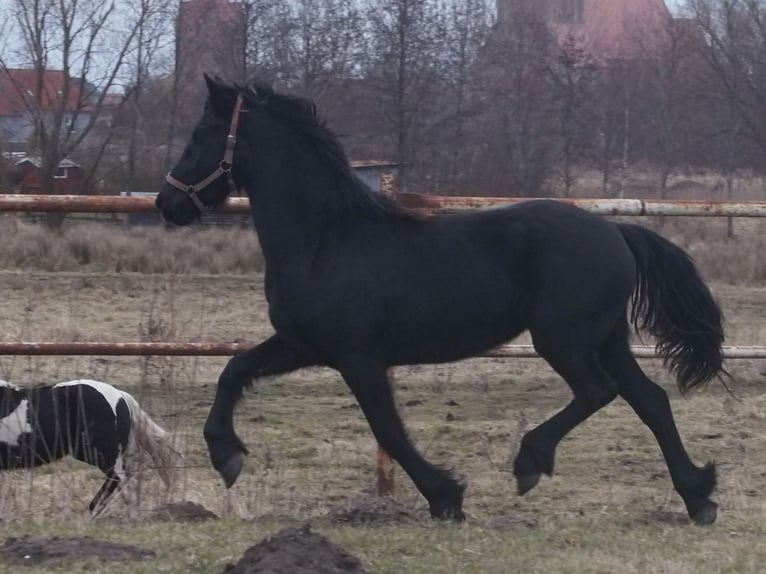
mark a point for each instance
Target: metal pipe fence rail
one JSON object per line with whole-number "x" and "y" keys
{"x": 435, "y": 204}
{"x": 10, "y": 203}
{"x": 194, "y": 349}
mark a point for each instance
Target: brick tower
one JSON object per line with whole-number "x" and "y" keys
{"x": 211, "y": 37}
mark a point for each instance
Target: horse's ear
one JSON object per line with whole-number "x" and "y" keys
{"x": 263, "y": 90}
{"x": 220, "y": 94}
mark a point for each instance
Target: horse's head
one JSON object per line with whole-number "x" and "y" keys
{"x": 208, "y": 169}
{"x": 271, "y": 145}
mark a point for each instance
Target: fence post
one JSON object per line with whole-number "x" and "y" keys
{"x": 386, "y": 465}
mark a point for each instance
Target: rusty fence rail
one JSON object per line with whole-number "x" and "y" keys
{"x": 431, "y": 204}
{"x": 182, "y": 349}
{"x": 435, "y": 204}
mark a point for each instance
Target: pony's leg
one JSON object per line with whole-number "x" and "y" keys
{"x": 592, "y": 388}
{"x": 123, "y": 468}
{"x": 272, "y": 357}
{"x": 98, "y": 504}
{"x": 369, "y": 382}
{"x": 651, "y": 404}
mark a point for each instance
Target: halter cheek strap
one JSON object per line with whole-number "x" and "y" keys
{"x": 224, "y": 168}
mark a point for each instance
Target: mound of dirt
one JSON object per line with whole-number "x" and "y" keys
{"x": 372, "y": 510}
{"x": 182, "y": 512}
{"x": 36, "y": 549}
{"x": 296, "y": 551}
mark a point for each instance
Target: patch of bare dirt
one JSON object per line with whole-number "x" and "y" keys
{"x": 372, "y": 510}
{"x": 182, "y": 512}
{"x": 37, "y": 549}
{"x": 296, "y": 551}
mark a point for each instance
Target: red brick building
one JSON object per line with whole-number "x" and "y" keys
{"x": 29, "y": 178}
{"x": 28, "y": 95}
{"x": 606, "y": 29}
{"x": 211, "y": 37}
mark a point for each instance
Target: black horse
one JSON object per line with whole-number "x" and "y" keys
{"x": 89, "y": 420}
{"x": 357, "y": 283}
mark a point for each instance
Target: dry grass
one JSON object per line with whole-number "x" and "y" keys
{"x": 107, "y": 247}
{"x": 112, "y": 248}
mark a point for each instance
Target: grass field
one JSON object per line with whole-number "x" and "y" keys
{"x": 609, "y": 508}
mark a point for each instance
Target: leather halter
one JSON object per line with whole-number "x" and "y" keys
{"x": 224, "y": 168}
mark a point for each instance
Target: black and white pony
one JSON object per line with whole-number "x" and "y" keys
{"x": 92, "y": 421}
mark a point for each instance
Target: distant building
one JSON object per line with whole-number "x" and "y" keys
{"x": 27, "y": 94}
{"x": 211, "y": 37}
{"x": 29, "y": 178}
{"x": 380, "y": 176}
{"x": 606, "y": 29}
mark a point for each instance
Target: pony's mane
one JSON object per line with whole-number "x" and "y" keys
{"x": 301, "y": 114}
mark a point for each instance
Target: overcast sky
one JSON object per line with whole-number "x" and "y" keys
{"x": 674, "y": 5}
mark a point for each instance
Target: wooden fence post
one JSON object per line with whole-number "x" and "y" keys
{"x": 386, "y": 465}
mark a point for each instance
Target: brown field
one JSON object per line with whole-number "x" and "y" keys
{"x": 609, "y": 508}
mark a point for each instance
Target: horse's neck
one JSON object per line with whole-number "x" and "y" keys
{"x": 291, "y": 222}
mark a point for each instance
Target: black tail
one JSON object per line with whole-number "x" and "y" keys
{"x": 673, "y": 304}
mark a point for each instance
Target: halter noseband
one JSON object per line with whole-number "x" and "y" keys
{"x": 224, "y": 168}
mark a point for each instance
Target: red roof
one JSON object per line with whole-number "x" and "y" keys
{"x": 619, "y": 28}
{"x": 603, "y": 28}
{"x": 18, "y": 91}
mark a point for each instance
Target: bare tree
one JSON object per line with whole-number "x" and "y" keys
{"x": 609, "y": 101}
{"x": 152, "y": 43}
{"x": 667, "y": 91}
{"x": 468, "y": 26}
{"x": 519, "y": 116}
{"x": 322, "y": 41}
{"x": 574, "y": 75}
{"x": 88, "y": 41}
{"x": 733, "y": 46}
{"x": 406, "y": 42}
{"x": 263, "y": 17}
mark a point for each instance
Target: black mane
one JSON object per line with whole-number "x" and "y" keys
{"x": 301, "y": 113}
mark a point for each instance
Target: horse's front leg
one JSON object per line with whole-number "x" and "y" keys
{"x": 369, "y": 382}
{"x": 272, "y": 357}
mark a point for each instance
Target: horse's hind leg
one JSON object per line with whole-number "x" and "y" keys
{"x": 272, "y": 357}
{"x": 98, "y": 504}
{"x": 369, "y": 382}
{"x": 651, "y": 404}
{"x": 592, "y": 388}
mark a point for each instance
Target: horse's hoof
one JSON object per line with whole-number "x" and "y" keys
{"x": 457, "y": 515}
{"x": 230, "y": 470}
{"x": 526, "y": 483}
{"x": 706, "y": 515}
{"x": 446, "y": 513}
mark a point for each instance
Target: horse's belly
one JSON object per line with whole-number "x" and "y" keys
{"x": 450, "y": 335}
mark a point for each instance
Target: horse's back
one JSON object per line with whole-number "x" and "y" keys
{"x": 107, "y": 392}
{"x": 573, "y": 248}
